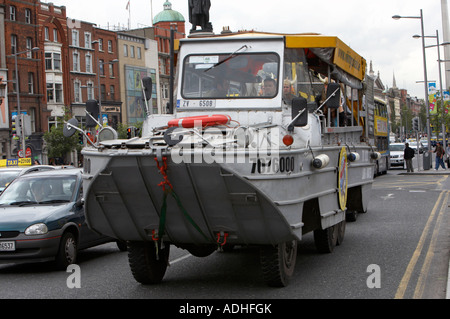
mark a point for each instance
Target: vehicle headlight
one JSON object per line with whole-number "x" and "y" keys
{"x": 36, "y": 229}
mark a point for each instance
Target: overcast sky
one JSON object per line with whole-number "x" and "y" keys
{"x": 366, "y": 26}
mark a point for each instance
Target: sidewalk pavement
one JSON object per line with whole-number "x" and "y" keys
{"x": 433, "y": 171}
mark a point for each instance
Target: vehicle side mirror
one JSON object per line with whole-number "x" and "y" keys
{"x": 333, "y": 95}
{"x": 299, "y": 105}
{"x": 80, "y": 202}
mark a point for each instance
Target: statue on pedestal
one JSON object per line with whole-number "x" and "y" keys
{"x": 199, "y": 15}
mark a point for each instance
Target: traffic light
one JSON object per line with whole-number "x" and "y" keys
{"x": 80, "y": 138}
{"x": 13, "y": 126}
{"x": 415, "y": 123}
{"x": 131, "y": 132}
{"x": 16, "y": 126}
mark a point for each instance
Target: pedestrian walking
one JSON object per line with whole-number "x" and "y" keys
{"x": 447, "y": 151}
{"x": 439, "y": 150}
{"x": 408, "y": 155}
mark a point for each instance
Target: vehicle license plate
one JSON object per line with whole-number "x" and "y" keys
{"x": 7, "y": 246}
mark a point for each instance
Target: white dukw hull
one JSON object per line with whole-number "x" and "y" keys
{"x": 252, "y": 201}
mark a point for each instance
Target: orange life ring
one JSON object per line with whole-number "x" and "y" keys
{"x": 203, "y": 120}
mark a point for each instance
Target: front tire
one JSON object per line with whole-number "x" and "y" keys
{"x": 278, "y": 263}
{"x": 67, "y": 252}
{"x": 146, "y": 266}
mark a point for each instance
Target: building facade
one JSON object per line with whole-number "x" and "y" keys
{"x": 94, "y": 71}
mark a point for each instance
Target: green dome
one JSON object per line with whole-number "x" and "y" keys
{"x": 168, "y": 15}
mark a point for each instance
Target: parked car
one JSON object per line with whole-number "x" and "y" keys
{"x": 42, "y": 219}
{"x": 420, "y": 149}
{"x": 396, "y": 154}
{"x": 8, "y": 174}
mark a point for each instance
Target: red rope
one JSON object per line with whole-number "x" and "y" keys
{"x": 163, "y": 170}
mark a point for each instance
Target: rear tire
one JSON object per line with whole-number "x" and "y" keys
{"x": 326, "y": 239}
{"x": 278, "y": 263}
{"x": 146, "y": 266}
{"x": 340, "y": 232}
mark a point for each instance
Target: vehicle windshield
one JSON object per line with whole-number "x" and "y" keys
{"x": 7, "y": 177}
{"x": 231, "y": 75}
{"x": 397, "y": 147}
{"x": 54, "y": 189}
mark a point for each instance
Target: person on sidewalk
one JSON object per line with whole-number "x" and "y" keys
{"x": 408, "y": 155}
{"x": 439, "y": 150}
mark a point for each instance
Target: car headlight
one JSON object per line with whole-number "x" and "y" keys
{"x": 36, "y": 229}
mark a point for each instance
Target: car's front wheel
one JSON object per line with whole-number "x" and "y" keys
{"x": 67, "y": 252}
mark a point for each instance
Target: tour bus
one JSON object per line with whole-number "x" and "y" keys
{"x": 381, "y": 135}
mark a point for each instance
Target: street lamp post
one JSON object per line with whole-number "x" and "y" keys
{"x": 19, "y": 115}
{"x": 397, "y": 17}
{"x": 444, "y": 142}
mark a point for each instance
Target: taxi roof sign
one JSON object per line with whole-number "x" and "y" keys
{"x": 15, "y": 162}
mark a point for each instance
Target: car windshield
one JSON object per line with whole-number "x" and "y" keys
{"x": 397, "y": 147}
{"x": 42, "y": 190}
{"x": 231, "y": 76}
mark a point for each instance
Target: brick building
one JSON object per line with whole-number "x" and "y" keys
{"x": 92, "y": 59}
{"x": 20, "y": 33}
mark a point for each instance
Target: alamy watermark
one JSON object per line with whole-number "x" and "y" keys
{"x": 232, "y": 145}
{"x": 374, "y": 279}
{"x": 74, "y": 279}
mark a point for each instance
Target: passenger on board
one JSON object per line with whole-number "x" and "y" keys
{"x": 269, "y": 87}
{"x": 287, "y": 92}
{"x": 221, "y": 87}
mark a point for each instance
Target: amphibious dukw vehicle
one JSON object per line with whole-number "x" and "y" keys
{"x": 268, "y": 139}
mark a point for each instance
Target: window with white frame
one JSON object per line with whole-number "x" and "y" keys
{"x": 87, "y": 40}
{"x": 55, "y": 35}
{"x": 76, "y": 61}
{"x": 27, "y": 16}
{"x": 75, "y": 41}
{"x": 46, "y": 34}
{"x": 111, "y": 70}
{"x": 30, "y": 82}
{"x": 110, "y": 48}
{"x": 90, "y": 91}
{"x": 139, "y": 53}
{"x": 101, "y": 64}
{"x": 12, "y": 13}
{"x": 58, "y": 93}
{"x": 29, "y": 43}
{"x": 57, "y": 61}
{"x": 112, "y": 92}
{"x": 32, "y": 111}
{"x": 100, "y": 44}
{"x": 88, "y": 58}
{"x": 54, "y": 93}
{"x": 77, "y": 92}
{"x": 13, "y": 43}
{"x": 52, "y": 61}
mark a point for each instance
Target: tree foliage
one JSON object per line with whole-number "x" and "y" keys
{"x": 57, "y": 144}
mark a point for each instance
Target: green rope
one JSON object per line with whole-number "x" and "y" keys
{"x": 162, "y": 220}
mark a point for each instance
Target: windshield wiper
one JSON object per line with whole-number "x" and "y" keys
{"x": 232, "y": 55}
{"x": 23, "y": 202}
{"x": 52, "y": 201}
